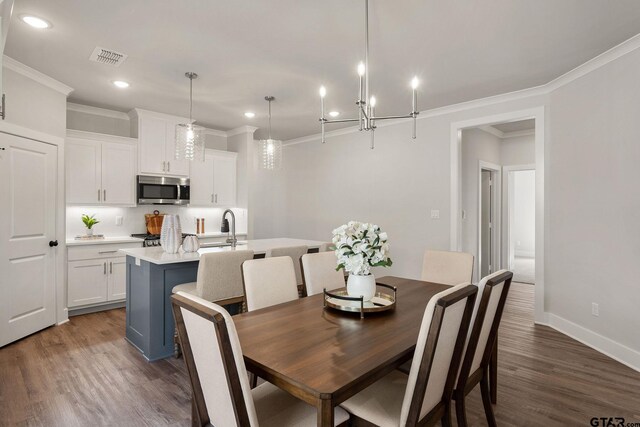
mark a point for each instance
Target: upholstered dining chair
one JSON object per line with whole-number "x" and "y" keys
{"x": 492, "y": 295}
{"x": 221, "y": 392}
{"x": 424, "y": 396}
{"x": 269, "y": 281}
{"x": 447, "y": 268}
{"x": 319, "y": 272}
{"x": 295, "y": 252}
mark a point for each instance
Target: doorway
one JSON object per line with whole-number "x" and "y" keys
{"x": 520, "y": 182}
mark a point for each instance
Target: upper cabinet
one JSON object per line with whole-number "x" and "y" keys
{"x": 101, "y": 169}
{"x": 156, "y": 133}
{"x": 213, "y": 182}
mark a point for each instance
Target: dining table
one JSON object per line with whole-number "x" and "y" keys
{"x": 324, "y": 356}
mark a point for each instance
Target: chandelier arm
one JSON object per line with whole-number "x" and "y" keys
{"x": 408, "y": 116}
{"x": 339, "y": 121}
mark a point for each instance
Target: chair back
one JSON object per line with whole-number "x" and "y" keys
{"x": 212, "y": 353}
{"x": 487, "y": 314}
{"x": 220, "y": 275}
{"x": 438, "y": 352}
{"x": 295, "y": 252}
{"x": 447, "y": 268}
{"x": 269, "y": 281}
{"x": 319, "y": 271}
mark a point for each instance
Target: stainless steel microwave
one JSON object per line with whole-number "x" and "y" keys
{"x": 163, "y": 190}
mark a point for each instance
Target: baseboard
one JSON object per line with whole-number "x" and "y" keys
{"x": 524, "y": 254}
{"x": 96, "y": 308}
{"x": 618, "y": 352}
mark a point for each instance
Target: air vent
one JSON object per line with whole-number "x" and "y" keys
{"x": 106, "y": 56}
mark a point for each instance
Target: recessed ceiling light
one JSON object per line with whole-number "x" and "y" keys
{"x": 249, "y": 114}
{"x": 121, "y": 84}
{"x": 35, "y": 22}
{"x": 334, "y": 113}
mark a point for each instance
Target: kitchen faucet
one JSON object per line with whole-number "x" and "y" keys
{"x": 225, "y": 227}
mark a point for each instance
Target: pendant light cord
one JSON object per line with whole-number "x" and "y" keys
{"x": 269, "y": 119}
{"x": 190, "y": 99}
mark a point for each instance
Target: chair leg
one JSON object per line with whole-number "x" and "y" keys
{"x": 446, "y": 417}
{"x": 253, "y": 381}
{"x": 177, "y": 350}
{"x": 493, "y": 372}
{"x": 461, "y": 411}
{"x": 486, "y": 401}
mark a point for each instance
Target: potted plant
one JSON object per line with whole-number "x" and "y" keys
{"x": 89, "y": 222}
{"x": 359, "y": 247}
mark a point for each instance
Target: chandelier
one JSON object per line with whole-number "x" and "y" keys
{"x": 190, "y": 137}
{"x": 270, "y": 149}
{"x": 365, "y": 103}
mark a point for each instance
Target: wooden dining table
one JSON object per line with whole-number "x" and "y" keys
{"x": 324, "y": 357}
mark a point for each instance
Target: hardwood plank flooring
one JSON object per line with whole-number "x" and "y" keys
{"x": 85, "y": 373}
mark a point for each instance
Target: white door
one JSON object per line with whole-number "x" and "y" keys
{"x": 174, "y": 167}
{"x": 28, "y": 188}
{"x": 87, "y": 282}
{"x": 83, "y": 170}
{"x": 117, "y": 279}
{"x": 152, "y": 137}
{"x": 118, "y": 174}
{"x": 486, "y": 220}
{"x": 224, "y": 180}
{"x": 201, "y": 190}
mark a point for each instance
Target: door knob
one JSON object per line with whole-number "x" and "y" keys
{"x": 53, "y": 243}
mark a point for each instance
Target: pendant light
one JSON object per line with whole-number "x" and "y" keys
{"x": 270, "y": 149}
{"x": 189, "y": 136}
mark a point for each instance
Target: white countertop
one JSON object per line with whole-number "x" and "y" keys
{"x": 105, "y": 241}
{"x": 156, "y": 255}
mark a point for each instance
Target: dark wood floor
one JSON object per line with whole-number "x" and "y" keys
{"x": 84, "y": 373}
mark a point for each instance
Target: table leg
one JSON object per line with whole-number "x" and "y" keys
{"x": 325, "y": 413}
{"x": 493, "y": 373}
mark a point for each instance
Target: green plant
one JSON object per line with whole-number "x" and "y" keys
{"x": 89, "y": 221}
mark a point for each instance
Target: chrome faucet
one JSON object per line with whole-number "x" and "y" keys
{"x": 225, "y": 227}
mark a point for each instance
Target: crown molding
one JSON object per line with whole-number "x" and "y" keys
{"x": 518, "y": 133}
{"x": 36, "y": 75}
{"x": 103, "y": 137}
{"x": 493, "y": 131}
{"x": 241, "y": 130}
{"x": 96, "y": 111}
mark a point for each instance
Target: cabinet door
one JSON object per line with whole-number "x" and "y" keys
{"x": 202, "y": 182}
{"x": 84, "y": 171}
{"x": 152, "y": 136}
{"x": 117, "y": 279}
{"x": 118, "y": 174}
{"x": 87, "y": 282}
{"x": 174, "y": 167}
{"x": 224, "y": 180}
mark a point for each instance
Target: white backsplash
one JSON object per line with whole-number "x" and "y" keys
{"x": 133, "y": 219}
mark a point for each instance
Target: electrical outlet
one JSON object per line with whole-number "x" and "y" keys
{"x": 435, "y": 214}
{"x": 595, "y": 311}
{"x": 118, "y": 220}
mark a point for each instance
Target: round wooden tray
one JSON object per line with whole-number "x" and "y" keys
{"x": 340, "y": 300}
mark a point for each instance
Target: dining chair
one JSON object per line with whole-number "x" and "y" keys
{"x": 220, "y": 385}
{"x": 269, "y": 281}
{"x": 319, "y": 272}
{"x": 447, "y": 268}
{"x": 424, "y": 396}
{"x": 295, "y": 252}
{"x": 327, "y": 247}
{"x": 219, "y": 280}
{"x": 492, "y": 295}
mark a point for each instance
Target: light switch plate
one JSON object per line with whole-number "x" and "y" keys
{"x": 118, "y": 220}
{"x": 435, "y": 214}
{"x": 595, "y": 310}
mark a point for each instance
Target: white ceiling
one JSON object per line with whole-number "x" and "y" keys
{"x": 243, "y": 50}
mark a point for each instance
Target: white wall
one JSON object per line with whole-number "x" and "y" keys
{"x": 519, "y": 150}
{"x": 523, "y": 231}
{"x": 98, "y": 123}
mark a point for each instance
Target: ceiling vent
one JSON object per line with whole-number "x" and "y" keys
{"x": 106, "y": 56}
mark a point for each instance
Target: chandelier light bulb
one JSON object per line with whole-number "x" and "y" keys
{"x": 372, "y": 101}
{"x": 190, "y": 135}
{"x": 361, "y": 69}
{"x": 414, "y": 83}
{"x": 323, "y": 91}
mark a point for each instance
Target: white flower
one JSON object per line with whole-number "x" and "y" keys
{"x": 354, "y": 247}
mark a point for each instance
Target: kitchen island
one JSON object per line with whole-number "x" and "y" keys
{"x": 151, "y": 276}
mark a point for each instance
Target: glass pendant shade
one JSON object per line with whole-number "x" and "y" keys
{"x": 270, "y": 154}
{"x": 189, "y": 142}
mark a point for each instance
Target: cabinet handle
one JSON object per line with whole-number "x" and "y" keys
{"x": 104, "y": 195}
{"x": 110, "y": 267}
{"x": 98, "y": 194}
{"x": 104, "y": 268}
{"x": 107, "y": 252}
{"x": 212, "y": 198}
{"x": 168, "y": 166}
{"x": 164, "y": 166}
{"x": 216, "y": 198}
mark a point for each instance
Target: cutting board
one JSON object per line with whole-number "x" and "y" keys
{"x": 154, "y": 222}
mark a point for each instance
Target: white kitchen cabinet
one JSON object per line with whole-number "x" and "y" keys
{"x": 100, "y": 169}
{"x": 117, "y": 279}
{"x": 213, "y": 182}
{"x": 156, "y": 133}
{"x": 87, "y": 282}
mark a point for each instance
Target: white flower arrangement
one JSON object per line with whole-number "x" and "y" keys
{"x": 360, "y": 246}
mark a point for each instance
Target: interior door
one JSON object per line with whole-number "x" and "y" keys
{"x": 201, "y": 190}
{"x": 224, "y": 180}
{"x": 486, "y": 223}
{"x": 83, "y": 171}
{"x": 117, "y": 281}
{"x": 28, "y": 188}
{"x": 118, "y": 174}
